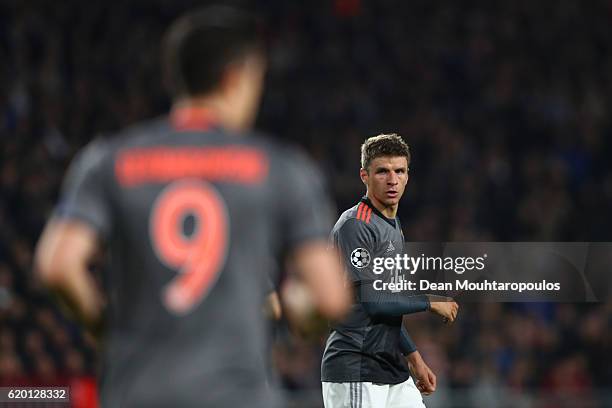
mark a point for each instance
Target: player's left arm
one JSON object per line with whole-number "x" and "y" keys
{"x": 71, "y": 241}
{"x": 272, "y": 306}
{"x": 306, "y": 217}
{"x": 425, "y": 378}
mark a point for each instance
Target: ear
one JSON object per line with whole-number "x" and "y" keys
{"x": 363, "y": 174}
{"x": 230, "y": 78}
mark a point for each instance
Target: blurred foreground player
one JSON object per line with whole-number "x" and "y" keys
{"x": 363, "y": 363}
{"x": 190, "y": 210}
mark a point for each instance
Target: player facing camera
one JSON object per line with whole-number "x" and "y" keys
{"x": 181, "y": 301}
{"x": 369, "y": 358}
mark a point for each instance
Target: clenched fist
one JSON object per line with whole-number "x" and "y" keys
{"x": 445, "y": 307}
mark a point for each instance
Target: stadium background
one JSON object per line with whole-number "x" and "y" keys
{"x": 506, "y": 108}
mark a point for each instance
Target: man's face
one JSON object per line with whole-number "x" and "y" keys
{"x": 386, "y": 179}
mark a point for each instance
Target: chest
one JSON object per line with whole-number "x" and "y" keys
{"x": 389, "y": 241}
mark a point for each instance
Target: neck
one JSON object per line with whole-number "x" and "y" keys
{"x": 216, "y": 105}
{"x": 387, "y": 211}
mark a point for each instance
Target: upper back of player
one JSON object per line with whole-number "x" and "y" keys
{"x": 194, "y": 219}
{"x": 190, "y": 212}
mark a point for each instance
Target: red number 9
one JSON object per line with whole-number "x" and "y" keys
{"x": 200, "y": 257}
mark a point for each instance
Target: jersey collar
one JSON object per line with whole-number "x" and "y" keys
{"x": 192, "y": 118}
{"x": 368, "y": 202}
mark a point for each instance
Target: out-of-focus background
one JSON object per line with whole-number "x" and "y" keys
{"x": 506, "y": 106}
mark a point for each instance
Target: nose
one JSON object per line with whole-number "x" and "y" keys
{"x": 393, "y": 179}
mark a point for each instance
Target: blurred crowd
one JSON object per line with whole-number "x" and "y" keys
{"x": 504, "y": 104}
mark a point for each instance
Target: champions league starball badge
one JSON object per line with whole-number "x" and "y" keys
{"x": 360, "y": 258}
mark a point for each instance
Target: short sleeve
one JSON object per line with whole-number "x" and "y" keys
{"x": 306, "y": 208}
{"x": 357, "y": 245}
{"x": 84, "y": 194}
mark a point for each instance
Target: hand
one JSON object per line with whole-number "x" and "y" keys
{"x": 272, "y": 308}
{"x": 425, "y": 379}
{"x": 445, "y": 307}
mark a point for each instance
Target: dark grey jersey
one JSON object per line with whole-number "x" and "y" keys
{"x": 362, "y": 347}
{"x": 194, "y": 219}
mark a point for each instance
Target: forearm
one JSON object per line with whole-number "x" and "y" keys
{"x": 407, "y": 345}
{"x": 62, "y": 257}
{"x": 414, "y": 359}
{"x": 80, "y": 295}
{"x": 382, "y": 303}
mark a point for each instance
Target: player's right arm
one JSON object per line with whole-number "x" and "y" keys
{"x": 71, "y": 241}
{"x": 64, "y": 253}
{"x": 355, "y": 234}
{"x": 385, "y": 303}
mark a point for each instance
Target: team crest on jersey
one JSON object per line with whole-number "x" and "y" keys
{"x": 360, "y": 258}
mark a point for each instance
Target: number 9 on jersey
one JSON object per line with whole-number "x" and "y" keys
{"x": 198, "y": 257}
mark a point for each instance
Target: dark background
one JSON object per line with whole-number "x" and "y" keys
{"x": 504, "y": 104}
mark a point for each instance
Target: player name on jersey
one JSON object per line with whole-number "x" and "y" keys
{"x": 237, "y": 164}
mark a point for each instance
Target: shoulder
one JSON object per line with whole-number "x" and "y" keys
{"x": 92, "y": 156}
{"x": 360, "y": 216}
{"x": 279, "y": 150}
{"x": 105, "y": 146}
{"x": 290, "y": 165}
{"x": 94, "y": 151}
{"x": 351, "y": 226}
{"x": 138, "y": 134}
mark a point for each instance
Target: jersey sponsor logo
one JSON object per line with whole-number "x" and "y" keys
{"x": 199, "y": 257}
{"x": 364, "y": 212}
{"x": 360, "y": 258}
{"x": 237, "y": 164}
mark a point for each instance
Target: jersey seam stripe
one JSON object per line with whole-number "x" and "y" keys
{"x": 359, "y": 389}
{"x": 365, "y": 210}
{"x": 369, "y": 216}
{"x": 359, "y": 210}
{"x": 363, "y": 213}
{"x": 351, "y": 389}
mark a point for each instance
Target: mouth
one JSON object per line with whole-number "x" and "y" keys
{"x": 392, "y": 194}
